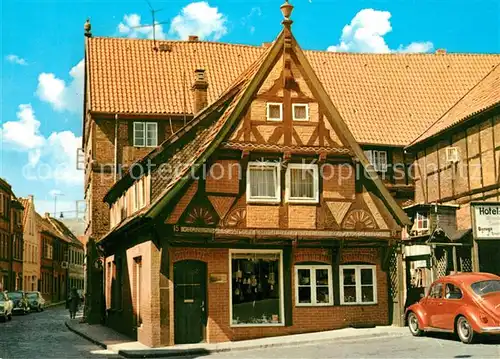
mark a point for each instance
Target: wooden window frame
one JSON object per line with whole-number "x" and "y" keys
{"x": 312, "y": 270}
{"x": 268, "y": 105}
{"x": 288, "y": 179}
{"x": 377, "y": 166}
{"x": 357, "y": 272}
{"x": 300, "y": 105}
{"x": 421, "y": 218}
{"x": 263, "y": 199}
{"x": 145, "y": 125}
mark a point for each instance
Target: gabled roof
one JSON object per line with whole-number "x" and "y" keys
{"x": 482, "y": 97}
{"x": 27, "y": 209}
{"x": 385, "y": 99}
{"x": 199, "y": 148}
{"x": 65, "y": 232}
{"x": 46, "y": 225}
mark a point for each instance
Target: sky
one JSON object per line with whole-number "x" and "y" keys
{"x": 41, "y": 62}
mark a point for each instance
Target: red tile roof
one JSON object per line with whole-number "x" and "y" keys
{"x": 384, "y": 98}
{"x": 483, "y": 96}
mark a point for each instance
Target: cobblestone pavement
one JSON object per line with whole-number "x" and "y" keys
{"x": 431, "y": 346}
{"x": 44, "y": 335}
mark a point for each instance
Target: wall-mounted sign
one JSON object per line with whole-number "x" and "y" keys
{"x": 486, "y": 220}
{"x": 218, "y": 278}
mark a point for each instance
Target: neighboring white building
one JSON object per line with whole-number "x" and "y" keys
{"x": 31, "y": 255}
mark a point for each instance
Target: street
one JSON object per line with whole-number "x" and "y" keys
{"x": 44, "y": 335}
{"x": 432, "y": 346}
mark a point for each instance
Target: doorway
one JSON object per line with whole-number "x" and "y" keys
{"x": 190, "y": 285}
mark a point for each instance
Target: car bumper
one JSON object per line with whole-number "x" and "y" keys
{"x": 19, "y": 309}
{"x": 490, "y": 330}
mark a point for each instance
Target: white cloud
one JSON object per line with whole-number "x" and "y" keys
{"x": 16, "y": 60}
{"x": 199, "y": 18}
{"x": 366, "y": 33}
{"x": 133, "y": 28}
{"x": 61, "y": 95}
{"x": 49, "y": 158}
{"x": 247, "y": 20}
{"x": 24, "y": 133}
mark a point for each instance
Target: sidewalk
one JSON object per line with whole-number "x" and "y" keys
{"x": 124, "y": 346}
{"x": 54, "y": 304}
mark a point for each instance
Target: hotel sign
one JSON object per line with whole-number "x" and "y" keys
{"x": 486, "y": 220}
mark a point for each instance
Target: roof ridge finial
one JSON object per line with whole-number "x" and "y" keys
{"x": 286, "y": 10}
{"x": 87, "y": 27}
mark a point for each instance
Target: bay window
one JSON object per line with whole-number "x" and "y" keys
{"x": 263, "y": 182}
{"x": 302, "y": 183}
{"x": 256, "y": 288}
{"x": 358, "y": 284}
{"x": 313, "y": 285}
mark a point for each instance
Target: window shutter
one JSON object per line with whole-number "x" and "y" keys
{"x": 287, "y": 285}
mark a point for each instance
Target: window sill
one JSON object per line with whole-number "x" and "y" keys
{"x": 302, "y": 201}
{"x": 257, "y": 325}
{"x": 263, "y": 201}
{"x": 309, "y": 305}
{"x": 361, "y": 304}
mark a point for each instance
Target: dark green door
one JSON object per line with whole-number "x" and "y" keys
{"x": 190, "y": 301}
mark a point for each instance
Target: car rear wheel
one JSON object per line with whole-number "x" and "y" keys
{"x": 464, "y": 330}
{"x": 9, "y": 317}
{"x": 413, "y": 325}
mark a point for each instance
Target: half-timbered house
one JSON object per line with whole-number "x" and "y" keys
{"x": 262, "y": 216}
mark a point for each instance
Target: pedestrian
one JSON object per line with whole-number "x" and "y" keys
{"x": 74, "y": 301}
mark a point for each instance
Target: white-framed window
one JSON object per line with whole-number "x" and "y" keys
{"x": 263, "y": 182}
{"x": 256, "y": 288}
{"x": 422, "y": 221}
{"x": 145, "y": 134}
{"x": 300, "y": 112}
{"x": 302, "y": 183}
{"x": 274, "y": 111}
{"x": 452, "y": 154}
{"x": 378, "y": 159}
{"x": 313, "y": 285}
{"x": 358, "y": 284}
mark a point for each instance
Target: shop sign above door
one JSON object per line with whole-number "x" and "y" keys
{"x": 486, "y": 220}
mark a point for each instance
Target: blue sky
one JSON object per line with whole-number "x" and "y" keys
{"x": 42, "y": 46}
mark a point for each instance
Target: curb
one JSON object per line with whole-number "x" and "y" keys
{"x": 54, "y": 304}
{"x": 89, "y": 338}
{"x": 164, "y": 353}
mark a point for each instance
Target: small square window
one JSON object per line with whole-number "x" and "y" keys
{"x": 313, "y": 285}
{"x": 145, "y": 134}
{"x": 302, "y": 183}
{"x": 378, "y": 159}
{"x": 274, "y": 111}
{"x": 422, "y": 222}
{"x": 300, "y": 112}
{"x": 263, "y": 182}
{"x": 358, "y": 284}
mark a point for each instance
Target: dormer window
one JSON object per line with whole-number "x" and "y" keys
{"x": 274, "y": 111}
{"x": 300, "y": 112}
{"x": 422, "y": 222}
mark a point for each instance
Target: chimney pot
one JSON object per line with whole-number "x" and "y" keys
{"x": 441, "y": 52}
{"x": 47, "y": 215}
{"x": 266, "y": 44}
{"x": 193, "y": 38}
{"x": 31, "y": 198}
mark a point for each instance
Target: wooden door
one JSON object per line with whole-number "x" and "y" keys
{"x": 190, "y": 279}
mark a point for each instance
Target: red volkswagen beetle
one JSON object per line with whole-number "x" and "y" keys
{"x": 466, "y": 304}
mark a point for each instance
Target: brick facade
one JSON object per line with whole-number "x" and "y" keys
{"x": 218, "y": 329}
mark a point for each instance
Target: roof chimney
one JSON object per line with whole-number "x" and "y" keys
{"x": 266, "y": 44}
{"x": 193, "y": 38}
{"x": 31, "y": 198}
{"x": 87, "y": 27}
{"x": 200, "y": 87}
{"x": 441, "y": 52}
{"x": 47, "y": 215}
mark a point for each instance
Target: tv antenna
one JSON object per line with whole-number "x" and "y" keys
{"x": 153, "y": 24}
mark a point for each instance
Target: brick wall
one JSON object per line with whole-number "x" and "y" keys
{"x": 305, "y": 319}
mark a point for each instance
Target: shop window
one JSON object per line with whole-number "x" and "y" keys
{"x": 300, "y": 112}
{"x": 263, "y": 182}
{"x": 422, "y": 222}
{"x": 256, "y": 288}
{"x": 302, "y": 183}
{"x": 313, "y": 285}
{"x": 358, "y": 284}
{"x": 274, "y": 111}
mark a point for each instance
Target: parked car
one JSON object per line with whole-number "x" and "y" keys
{"x": 21, "y": 304}
{"x": 6, "y": 307}
{"x": 35, "y": 301}
{"x": 466, "y": 304}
